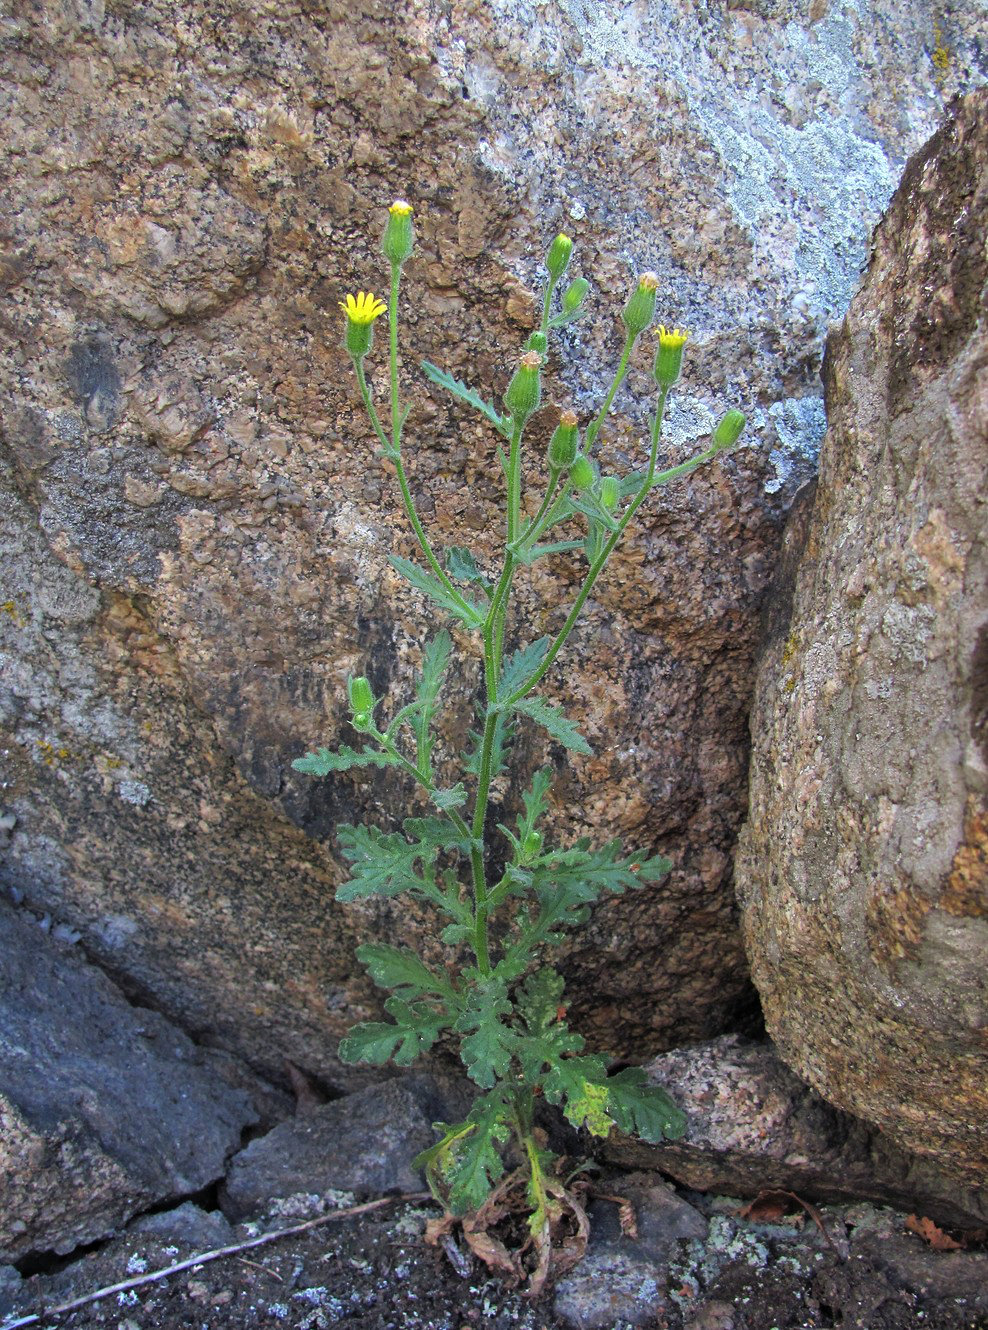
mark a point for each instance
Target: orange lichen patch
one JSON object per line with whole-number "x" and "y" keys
{"x": 966, "y": 891}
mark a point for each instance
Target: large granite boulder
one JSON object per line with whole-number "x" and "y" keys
{"x": 863, "y": 871}
{"x": 195, "y": 522}
{"x": 105, "y": 1108}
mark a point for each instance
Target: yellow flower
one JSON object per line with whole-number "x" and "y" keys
{"x": 672, "y": 338}
{"x": 400, "y": 208}
{"x": 669, "y": 355}
{"x": 363, "y": 308}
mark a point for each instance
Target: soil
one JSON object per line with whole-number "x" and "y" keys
{"x": 374, "y": 1271}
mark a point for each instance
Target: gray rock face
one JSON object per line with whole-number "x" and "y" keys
{"x": 195, "y": 525}
{"x": 622, "y": 1280}
{"x": 752, "y": 1126}
{"x": 104, "y": 1108}
{"x": 862, "y": 871}
{"x": 364, "y": 1142}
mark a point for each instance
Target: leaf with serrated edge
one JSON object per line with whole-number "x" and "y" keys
{"x": 430, "y": 586}
{"x": 384, "y": 863}
{"x": 399, "y": 968}
{"x": 578, "y": 1084}
{"x": 462, "y": 566}
{"x": 464, "y": 394}
{"x": 555, "y": 721}
{"x": 322, "y": 761}
{"x": 486, "y": 1051}
{"x": 641, "y": 1109}
{"x": 520, "y": 667}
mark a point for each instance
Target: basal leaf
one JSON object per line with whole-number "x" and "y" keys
{"x": 415, "y": 1029}
{"x": 538, "y": 999}
{"x": 431, "y": 586}
{"x": 486, "y": 1050}
{"x": 641, "y": 1109}
{"x": 401, "y": 969}
{"x": 467, "y": 1160}
{"x": 322, "y": 761}
{"x": 464, "y": 394}
{"x": 554, "y": 720}
{"x": 579, "y": 1085}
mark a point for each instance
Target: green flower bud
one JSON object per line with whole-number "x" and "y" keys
{"x": 581, "y": 473}
{"x": 524, "y": 392}
{"x": 537, "y": 342}
{"x": 669, "y": 356}
{"x": 610, "y": 492}
{"x": 729, "y": 430}
{"x": 640, "y": 309}
{"x": 361, "y": 720}
{"x": 398, "y": 239}
{"x": 360, "y": 693}
{"x": 565, "y": 442}
{"x": 575, "y": 294}
{"x": 560, "y": 253}
{"x": 531, "y": 845}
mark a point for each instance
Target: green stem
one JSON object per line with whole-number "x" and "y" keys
{"x": 598, "y": 564}
{"x": 406, "y": 495}
{"x": 544, "y": 325}
{"x": 622, "y": 369}
{"x": 392, "y": 749}
{"x": 393, "y": 356}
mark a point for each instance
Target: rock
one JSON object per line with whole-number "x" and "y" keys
{"x": 862, "y": 870}
{"x": 196, "y": 523}
{"x": 362, "y": 1143}
{"x": 189, "y": 1224}
{"x": 105, "y": 1108}
{"x": 10, "y": 1284}
{"x": 623, "y": 1279}
{"x": 753, "y": 1126}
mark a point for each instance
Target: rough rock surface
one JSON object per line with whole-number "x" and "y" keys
{"x": 863, "y": 871}
{"x": 195, "y": 525}
{"x": 622, "y": 1279}
{"x": 364, "y": 1142}
{"x": 104, "y": 1108}
{"x": 752, "y": 1126}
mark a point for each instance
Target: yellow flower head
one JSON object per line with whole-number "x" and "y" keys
{"x": 362, "y": 308}
{"x": 669, "y": 355}
{"x": 671, "y": 338}
{"x": 400, "y": 208}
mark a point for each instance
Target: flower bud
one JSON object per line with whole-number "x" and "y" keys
{"x": 640, "y": 309}
{"x": 565, "y": 442}
{"x": 398, "y": 239}
{"x": 575, "y": 294}
{"x": 610, "y": 492}
{"x": 729, "y": 430}
{"x": 531, "y": 845}
{"x": 669, "y": 356}
{"x": 560, "y": 252}
{"x": 537, "y": 342}
{"x": 524, "y": 392}
{"x": 360, "y": 694}
{"x": 581, "y": 473}
{"x": 361, "y": 720}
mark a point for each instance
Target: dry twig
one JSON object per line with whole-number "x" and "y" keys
{"x": 36, "y": 1317}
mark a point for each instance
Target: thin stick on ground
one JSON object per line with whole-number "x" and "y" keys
{"x": 213, "y": 1255}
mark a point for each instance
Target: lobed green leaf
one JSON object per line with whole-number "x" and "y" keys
{"x": 322, "y": 761}
{"x": 486, "y": 1051}
{"x": 431, "y": 586}
{"x": 464, "y": 394}
{"x": 555, "y": 721}
{"x": 641, "y": 1109}
{"x": 401, "y": 969}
